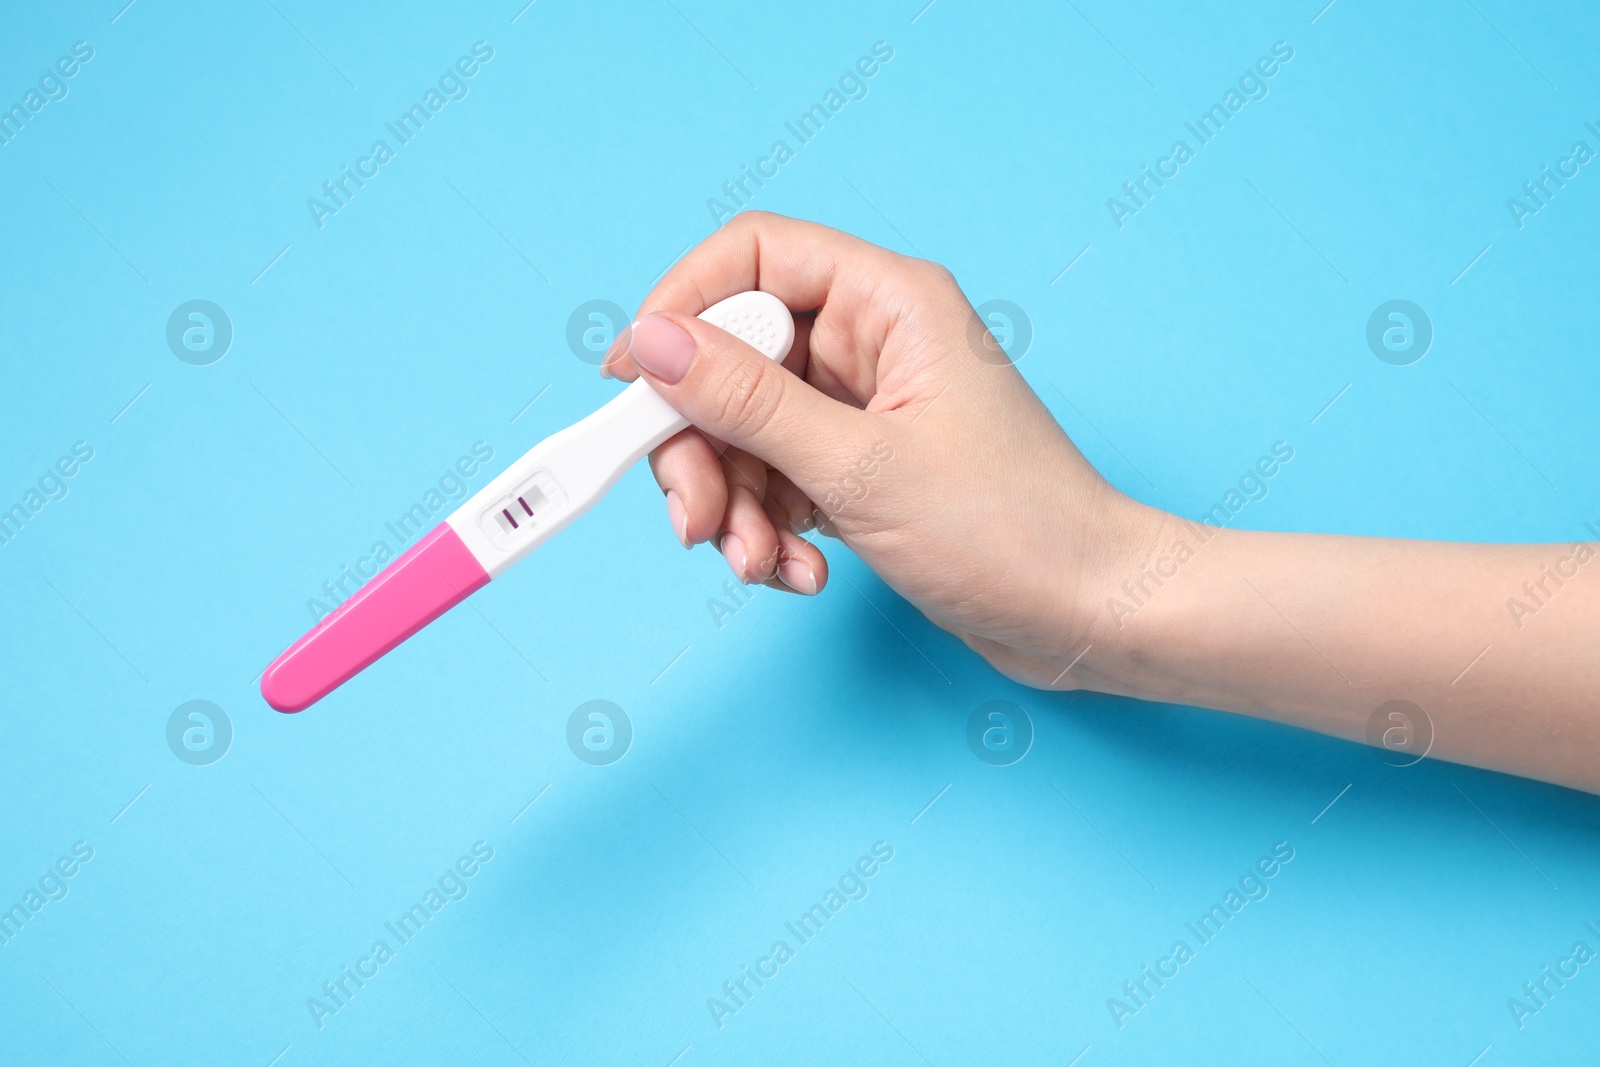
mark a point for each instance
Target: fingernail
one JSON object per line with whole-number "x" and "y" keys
{"x": 733, "y": 551}
{"x": 769, "y": 566}
{"x": 798, "y": 575}
{"x": 618, "y": 349}
{"x": 661, "y": 347}
{"x": 678, "y": 516}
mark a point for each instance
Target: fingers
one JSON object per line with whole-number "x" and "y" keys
{"x": 796, "y": 261}
{"x": 697, "y": 479}
{"x": 742, "y": 469}
{"x": 689, "y": 471}
{"x": 710, "y": 498}
{"x": 756, "y": 550}
{"x": 617, "y": 364}
{"x": 802, "y": 568}
{"x": 727, "y": 499}
{"x": 851, "y": 293}
{"x": 857, "y": 289}
{"x": 749, "y": 543}
{"x": 734, "y": 393}
{"x": 788, "y": 506}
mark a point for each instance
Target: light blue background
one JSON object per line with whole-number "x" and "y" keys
{"x": 783, "y": 744}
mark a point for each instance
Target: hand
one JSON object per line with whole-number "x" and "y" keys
{"x": 949, "y": 478}
{"x": 883, "y": 427}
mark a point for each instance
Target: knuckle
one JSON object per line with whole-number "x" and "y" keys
{"x": 938, "y": 272}
{"x": 749, "y": 221}
{"x": 748, "y": 397}
{"x": 926, "y": 275}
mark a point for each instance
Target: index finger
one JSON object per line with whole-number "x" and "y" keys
{"x": 804, "y": 264}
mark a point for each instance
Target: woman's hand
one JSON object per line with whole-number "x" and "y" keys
{"x": 894, "y": 424}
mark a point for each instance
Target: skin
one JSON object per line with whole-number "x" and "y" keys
{"x": 892, "y": 415}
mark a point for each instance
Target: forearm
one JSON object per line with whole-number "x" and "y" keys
{"x": 1320, "y": 631}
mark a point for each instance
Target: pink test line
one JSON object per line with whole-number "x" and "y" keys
{"x": 429, "y": 578}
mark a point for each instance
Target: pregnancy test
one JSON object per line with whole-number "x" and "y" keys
{"x": 535, "y": 498}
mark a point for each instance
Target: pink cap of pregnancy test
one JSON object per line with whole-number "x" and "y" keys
{"x": 429, "y": 578}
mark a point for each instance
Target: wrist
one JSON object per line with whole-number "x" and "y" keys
{"x": 1118, "y": 570}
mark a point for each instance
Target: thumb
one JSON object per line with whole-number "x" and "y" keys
{"x": 733, "y": 392}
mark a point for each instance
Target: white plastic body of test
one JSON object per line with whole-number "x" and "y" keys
{"x": 564, "y": 475}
